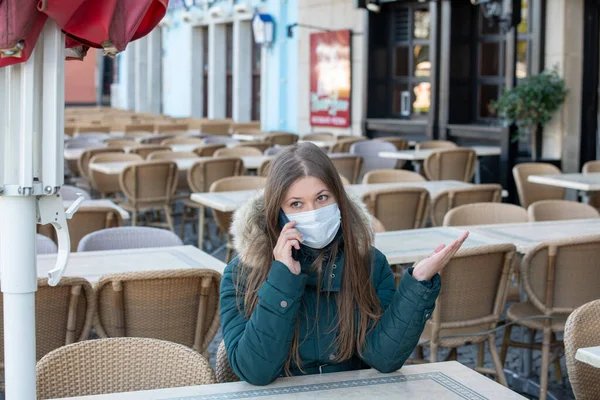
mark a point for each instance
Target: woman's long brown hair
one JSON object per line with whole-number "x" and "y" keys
{"x": 357, "y": 291}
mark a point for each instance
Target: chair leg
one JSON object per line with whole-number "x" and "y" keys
{"x": 228, "y": 254}
{"x": 420, "y": 354}
{"x": 183, "y": 219}
{"x": 433, "y": 352}
{"x": 169, "y": 218}
{"x": 134, "y": 217}
{"x": 545, "y": 363}
{"x": 557, "y": 369}
{"x": 505, "y": 343}
{"x": 480, "y": 354}
{"x": 498, "y": 365}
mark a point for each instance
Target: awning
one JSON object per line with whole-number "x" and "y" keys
{"x": 102, "y": 24}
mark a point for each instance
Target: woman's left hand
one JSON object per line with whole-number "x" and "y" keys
{"x": 427, "y": 268}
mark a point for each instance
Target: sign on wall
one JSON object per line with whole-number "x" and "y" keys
{"x": 330, "y": 78}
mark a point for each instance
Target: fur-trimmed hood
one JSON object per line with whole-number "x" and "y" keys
{"x": 249, "y": 233}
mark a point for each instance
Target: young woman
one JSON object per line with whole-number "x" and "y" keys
{"x": 308, "y": 293}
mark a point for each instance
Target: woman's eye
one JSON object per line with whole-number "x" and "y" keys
{"x": 296, "y": 204}
{"x": 322, "y": 197}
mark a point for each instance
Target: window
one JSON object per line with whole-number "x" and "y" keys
{"x": 229, "y": 67}
{"x": 491, "y": 60}
{"x": 205, "y": 70}
{"x": 411, "y": 70}
{"x": 256, "y": 66}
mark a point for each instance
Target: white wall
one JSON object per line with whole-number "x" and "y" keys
{"x": 334, "y": 15}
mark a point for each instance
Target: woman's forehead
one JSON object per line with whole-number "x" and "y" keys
{"x": 308, "y": 186}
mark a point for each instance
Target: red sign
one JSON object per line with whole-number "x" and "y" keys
{"x": 330, "y": 78}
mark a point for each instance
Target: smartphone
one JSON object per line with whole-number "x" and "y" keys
{"x": 283, "y": 219}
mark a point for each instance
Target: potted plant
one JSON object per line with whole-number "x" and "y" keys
{"x": 532, "y": 103}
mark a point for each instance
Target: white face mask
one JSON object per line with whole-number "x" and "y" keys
{"x": 318, "y": 227}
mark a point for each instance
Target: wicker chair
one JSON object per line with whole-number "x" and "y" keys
{"x": 530, "y": 192}
{"x": 349, "y": 166}
{"x": 581, "y": 330}
{"x": 281, "y": 138}
{"x": 182, "y": 140}
{"x": 94, "y": 128}
{"x": 45, "y": 245}
{"x": 557, "y": 277}
{"x": 128, "y": 237}
{"x": 448, "y": 199}
{"x": 182, "y": 182}
{"x": 384, "y": 205}
{"x": 223, "y": 219}
{"x": 435, "y": 144}
{"x": 208, "y": 150}
{"x": 149, "y": 186}
{"x": 86, "y": 156}
{"x": 146, "y": 128}
{"x": 68, "y": 192}
{"x": 244, "y": 126}
{"x": 200, "y": 177}
{"x": 180, "y": 306}
{"x": 223, "y": 370}
{"x": 263, "y": 170}
{"x": 391, "y": 176}
{"x": 344, "y": 180}
{"x": 63, "y": 315}
{"x": 260, "y": 146}
{"x": 343, "y": 145}
{"x": 472, "y": 300}
{"x": 485, "y": 214}
{"x": 154, "y": 139}
{"x": 215, "y": 128}
{"x": 451, "y": 164}
{"x": 591, "y": 167}
{"x": 238, "y": 152}
{"x": 91, "y": 219}
{"x": 121, "y": 143}
{"x": 556, "y": 210}
{"x": 172, "y": 128}
{"x": 319, "y": 137}
{"x": 145, "y": 150}
{"x": 105, "y": 366}
{"x": 108, "y": 184}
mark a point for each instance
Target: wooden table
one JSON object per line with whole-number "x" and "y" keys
{"x": 230, "y": 201}
{"x": 91, "y": 265}
{"x": 75, "y": 154}
{"x": 527, "y": 235}
{"x": 99, "y": 203}
{"x": 444, "y": 380}
{"x": 585, "y": 183}
{"x": 410, "y": 246}
{"x": 589, "y": 355}
{"x": 418, "y": 156}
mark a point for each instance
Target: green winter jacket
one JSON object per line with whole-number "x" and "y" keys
{"x": 258, "y": 347}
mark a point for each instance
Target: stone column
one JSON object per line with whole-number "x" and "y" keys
{"x": 217, "y": 74}
{"x": 564, "y": 50}
{"x": 197, "y": 81}
{"x": 154, "y": 82}
{"x": 242, "y": 71}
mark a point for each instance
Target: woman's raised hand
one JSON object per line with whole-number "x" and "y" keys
{"x": 428, "y": 267}
{"x": 288, "y": 238}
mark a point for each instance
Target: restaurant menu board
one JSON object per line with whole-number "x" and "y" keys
{"x": 330, "y": 78}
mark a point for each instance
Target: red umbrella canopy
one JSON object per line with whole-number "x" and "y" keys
{"x": 103, "y": 24}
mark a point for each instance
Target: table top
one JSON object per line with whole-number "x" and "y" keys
{"x": 527, "y": 235}
{"x": 230, "y": 201}
{"x": 92, "y": 265}
{"x": 445, "y": 380}
{"x": 75, "y": 154}
{"x": 583, "y": 182}
{"x": 99, "y": 203}
{"x": 420, "y": 155}
{"x": 244, "y": 137}
{"x": 116, "y": 167}
{"x": 589, "y": 355}
{"x": 410, "y": 246}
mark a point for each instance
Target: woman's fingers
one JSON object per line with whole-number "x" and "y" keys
{"x": 288, "y": 226}
{"x": 439, "y": 248}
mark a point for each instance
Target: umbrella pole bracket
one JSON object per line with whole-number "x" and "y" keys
{"x": 31, "y": 174}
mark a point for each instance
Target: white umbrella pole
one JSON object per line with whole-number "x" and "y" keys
{"x": 31, "y": 173}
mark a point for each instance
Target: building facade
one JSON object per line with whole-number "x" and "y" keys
{"x": 419, "y": 69}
